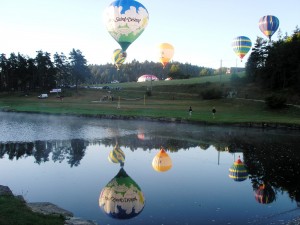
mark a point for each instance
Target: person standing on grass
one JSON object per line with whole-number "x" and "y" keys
{"x": 213, "y": 111}
{"x": 190, "y": 110}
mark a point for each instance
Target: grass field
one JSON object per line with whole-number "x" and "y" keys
{"x": 169, "y": 99}
{"x": 22, "y": 215}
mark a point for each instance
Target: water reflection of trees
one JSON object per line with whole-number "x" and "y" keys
{"x": 72, "y": 150}
{"x": 275, "y": 164}
{"x": 269, "y": 159}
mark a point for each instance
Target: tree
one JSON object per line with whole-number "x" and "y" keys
{"x": 276, "y": 65}
{"x": 176, "y": 73}
{"x": 205, "y": 72}
{"x": 62, "y": 69}
{"x": 4, "y": 70}
{"x": 23, "y": 74}
{"x": 256, "y": 59}
{"x": 79, "y": 69}
{"x": 45, "y": 70}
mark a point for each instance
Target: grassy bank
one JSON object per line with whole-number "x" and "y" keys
{"x": 169, "y": 99}
{"x": 22, "y": 215}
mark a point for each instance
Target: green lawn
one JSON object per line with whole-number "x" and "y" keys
{"x": 169, "y": 99}
{"x": 160, "y": 104}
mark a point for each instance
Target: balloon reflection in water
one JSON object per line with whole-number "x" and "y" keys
{"x": 265, "y": 194}
{"x": 238, "y": 171}
{"x": 162, "y": 161}
{"x": 116, "y": 155}
{"x": 122, "y": 198}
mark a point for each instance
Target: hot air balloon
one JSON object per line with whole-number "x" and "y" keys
{"x": 265, "y": 194}
{"x": 125, "y": 21}
{"x": 116, "y": 155}
{"x": 162, "y": 161}
{"x": 122, "y": 198}
{"x": 166, "y": 52}
{"x": 119, "y": 57}
{"x": 241, "y": 46}
{"x": 238, "y": 171}
{"x": 147, "y": 77}
{"x": 268, "y": 25}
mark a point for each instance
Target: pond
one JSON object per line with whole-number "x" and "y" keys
{"x": 203, "y": 175}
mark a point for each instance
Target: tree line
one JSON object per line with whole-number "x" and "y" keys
{"x": 276, "y": 65}
{"x": 130, "y": 72}
{"x": 22, "y": 73}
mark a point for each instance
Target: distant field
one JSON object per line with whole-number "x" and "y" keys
{"x": 169, "y": 99}
{"x": 198, "y": 80}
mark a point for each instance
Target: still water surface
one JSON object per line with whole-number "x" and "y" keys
{"x": 64, "y": 160}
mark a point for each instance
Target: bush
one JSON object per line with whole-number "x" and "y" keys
{"x": 148, "y": 93}
{"x": 237, "y": 80}
{"x": 276, "y": 101}
{"x": 212, "y": 93}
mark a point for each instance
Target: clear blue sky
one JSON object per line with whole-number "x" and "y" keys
{"x": 201, "y": 31}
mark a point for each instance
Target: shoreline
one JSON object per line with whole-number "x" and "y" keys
{"x": 47, "y": 208}
{"x": 262, "y": 125}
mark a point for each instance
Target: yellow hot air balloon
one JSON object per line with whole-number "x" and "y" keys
{"x": 116, "y": 155}
{"x": 166, "y": 52}
{"x": 162, "y": 161}
{"x": 119, "y": 57}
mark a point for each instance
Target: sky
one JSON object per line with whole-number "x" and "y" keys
{"x": 201, "y": 31}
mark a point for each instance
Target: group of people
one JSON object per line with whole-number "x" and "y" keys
{"x": 213, "y": 111}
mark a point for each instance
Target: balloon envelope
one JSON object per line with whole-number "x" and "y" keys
{"x": 116, "y": 155}
{"x": 147, "y": 77}
{"x": 125, "y": 21}
{"x": 265, "y": 194}
{"x": 166, "y": 52}
{"x": 122, "y": 198}
{"x": 241, "y": 46}
{"x": 162, "y": 161}
{"x": 119, "y": 57}
{"x": 238, "y": 171}
{"x": 268, "y": 25}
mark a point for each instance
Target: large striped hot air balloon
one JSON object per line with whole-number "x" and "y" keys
{"x": 238, "y": 171}
{"x": 122, "y": 197}
{"x": 268, "y": 25}
{"x": 166, "y": 52}
{"x": 119, "y": 57}
{"x": 125, "y": 21}
{"x": 241, "y": 46}
{"x": 116, "y": 155}
{"x": 162, "y": 161}
{"x": 265, "y": 194}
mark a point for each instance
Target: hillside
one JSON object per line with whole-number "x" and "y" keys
{"x": 170, "y": 100}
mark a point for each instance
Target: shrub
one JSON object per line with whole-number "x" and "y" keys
{"x": 148, "y": 93}
{"x": 212, "y": 93}
{"x": 276, "y": 101}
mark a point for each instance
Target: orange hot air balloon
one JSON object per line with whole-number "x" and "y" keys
{"x": 162, "y": 161}
{"x": 265, "y": 194}
{"x": 166, "y": 52}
